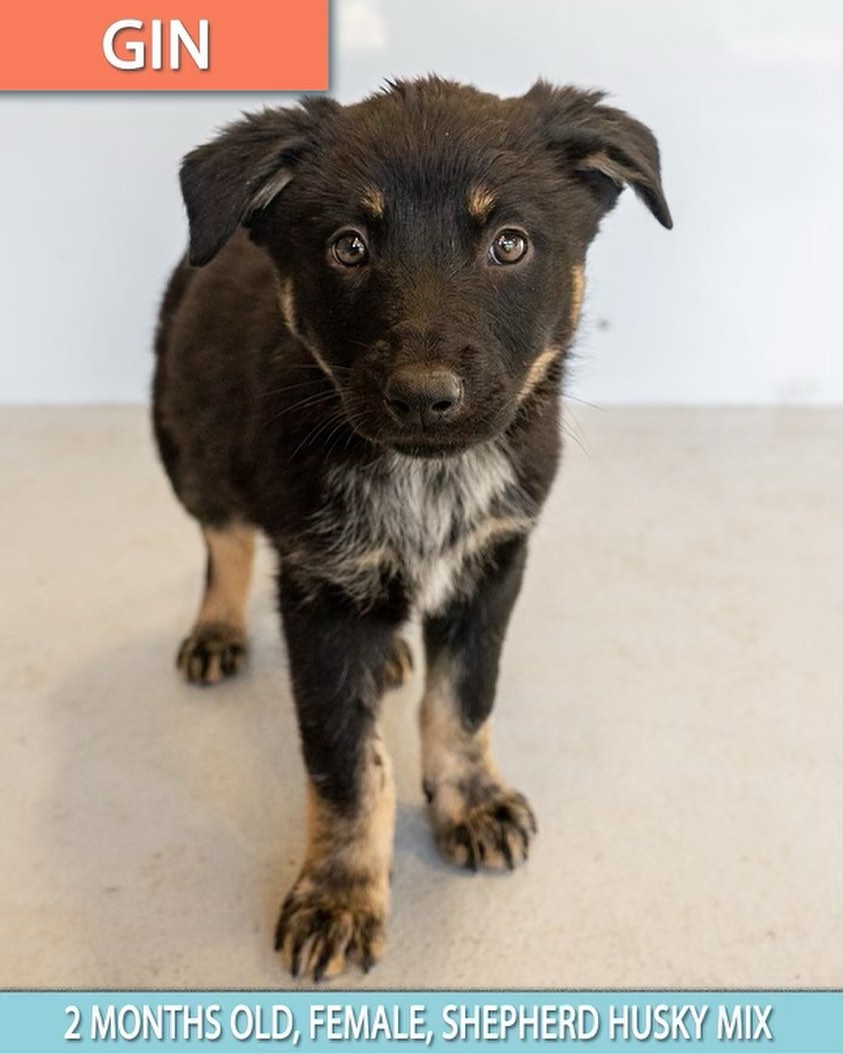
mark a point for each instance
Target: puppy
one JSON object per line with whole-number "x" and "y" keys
{"x": 361, "y": 357}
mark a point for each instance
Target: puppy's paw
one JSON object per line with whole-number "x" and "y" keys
{"x": 399, "y": 668}
{"x": 326, "y": 926}
{"x": 490, "y": 828}
{"x": 213, "y": 650}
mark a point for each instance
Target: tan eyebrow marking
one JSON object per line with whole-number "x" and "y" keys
{"x": 480, "y": 202}
{"x": 373, "y": 201}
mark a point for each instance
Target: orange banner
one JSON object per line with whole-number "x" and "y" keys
{"x": 132, "y": 45}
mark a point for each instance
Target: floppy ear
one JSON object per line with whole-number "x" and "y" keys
{"x": 244, "y": 168}
{"x": 604, "y": 147}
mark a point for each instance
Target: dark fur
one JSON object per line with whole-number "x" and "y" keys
{"x": 252, "y": 429}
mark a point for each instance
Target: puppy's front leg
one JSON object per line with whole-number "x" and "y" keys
{"x": 478, "y": 819}
{"x": 339, "y": 661}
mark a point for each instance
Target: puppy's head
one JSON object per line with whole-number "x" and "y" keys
{"x": 429, "y": 240}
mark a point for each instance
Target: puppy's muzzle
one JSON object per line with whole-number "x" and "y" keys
{"x": 425, "y": 397}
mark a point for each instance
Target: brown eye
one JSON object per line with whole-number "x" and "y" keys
{"x": 509, "y": 247}
{"x": 349, "y": 249}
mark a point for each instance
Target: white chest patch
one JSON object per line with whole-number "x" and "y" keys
{"x": 425, "y": 522}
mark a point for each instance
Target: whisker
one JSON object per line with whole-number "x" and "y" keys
{"x": 336, "y": 370}
{"x": 568, "y": 398}
{"x": 320, "y": 427}
{"x": 308, "y": 402}
{"x": 574, "y": 430}
{"x": 290, "y": 387}
{"x": 333, "y": 432}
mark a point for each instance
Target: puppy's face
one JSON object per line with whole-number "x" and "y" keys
{"x": 429, "y": 241}
{"x": 432, "y": 262}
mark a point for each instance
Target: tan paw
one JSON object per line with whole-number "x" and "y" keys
{"x": 325, "y": 927}
{"x": 213, "y": 651}
{"x": 490, "y": 828}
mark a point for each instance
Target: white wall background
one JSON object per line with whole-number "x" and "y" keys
{"x": 739, "y": 304}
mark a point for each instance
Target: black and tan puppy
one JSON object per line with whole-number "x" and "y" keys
{"x": 362, "y": 357}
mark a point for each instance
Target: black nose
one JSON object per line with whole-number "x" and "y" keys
{"x": 426, "y": 396}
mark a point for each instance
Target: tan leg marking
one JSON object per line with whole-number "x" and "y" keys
{"x": 335, "y": 914}
{"x": 399, "y": 668}
{"x": 478, "y": 820}
{"x": 216, "y": 646}
{"x": 231, "y": 554}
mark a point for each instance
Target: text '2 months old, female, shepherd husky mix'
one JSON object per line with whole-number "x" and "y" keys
{"x": 362, "y": 357}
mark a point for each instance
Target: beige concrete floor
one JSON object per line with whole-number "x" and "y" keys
{"x": 670, "y": 700}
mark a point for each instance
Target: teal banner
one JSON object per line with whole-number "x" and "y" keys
{"x": 51, "y": 1022}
